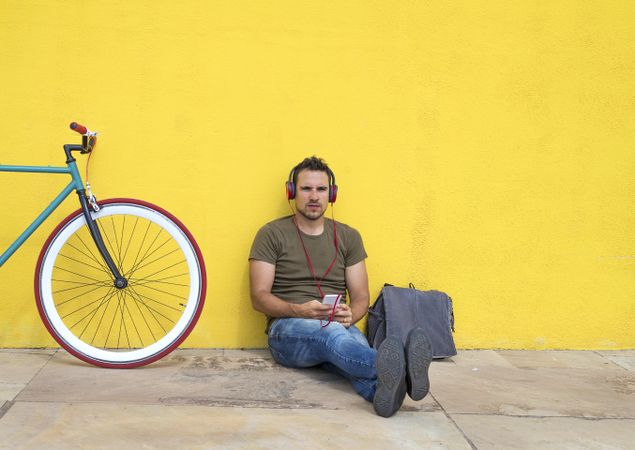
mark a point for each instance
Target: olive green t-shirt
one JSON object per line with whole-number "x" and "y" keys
{"x": 278, "y": 243}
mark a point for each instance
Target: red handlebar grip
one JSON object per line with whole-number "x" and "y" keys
{"x": 81, "y": 129}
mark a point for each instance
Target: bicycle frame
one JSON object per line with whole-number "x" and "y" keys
{"x": 76, "y": 184}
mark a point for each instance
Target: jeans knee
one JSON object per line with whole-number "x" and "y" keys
{"x": 278, "y": 357}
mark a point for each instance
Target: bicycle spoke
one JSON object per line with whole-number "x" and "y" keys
{"x": 101, "y": 319}
{"x": 150, "y": 308}
{"x": 145, "y": 255}
{"x": 99, "y": 259}
{"x": 157, "y": 259}
{"x": 143, "y": 282}
{"x": 104, "y": 300}
{"x": 89, "y": 256}
{"x": 164, "y": 269}
{"x": 134, "y": 227}
{"x": 163, "y": 292}
{"x": 114, "y": 233}
{"x": 101, "y": 300}
{"x": 152, "y": 311}
{"x": 145, "y": 235}
{"x": 75, "y": 273}
{"x": 122, "y": 323}
{"x": 81, "y": 285}
{"x": 77, "y": 296}
{"x": 112, "y": 322}
{"x": 143, "y": 316}
{"x": 104, "y": 236}
{"x": 184, "y": 274}
{"x": 123, "y": 227}
{"x": 134, "y": 324}
{"x": 78, "y": 262}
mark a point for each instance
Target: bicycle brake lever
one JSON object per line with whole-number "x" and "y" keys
{"x": 89, "y": 140}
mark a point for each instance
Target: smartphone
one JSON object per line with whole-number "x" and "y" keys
{"x": 332, "y": 299}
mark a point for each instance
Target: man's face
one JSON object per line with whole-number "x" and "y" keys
{"x": 312, "y": 193}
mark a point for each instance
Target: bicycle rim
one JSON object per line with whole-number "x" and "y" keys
{"x": 128, "y": 327}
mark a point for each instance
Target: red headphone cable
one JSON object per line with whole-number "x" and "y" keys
{"x": 310, "y": 264}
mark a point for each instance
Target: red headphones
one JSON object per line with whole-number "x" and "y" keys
{"x": 291, "y": 188}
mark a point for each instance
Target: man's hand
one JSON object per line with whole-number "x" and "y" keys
{"x": 344, "y": 315}
{"x": 312, "y": 310}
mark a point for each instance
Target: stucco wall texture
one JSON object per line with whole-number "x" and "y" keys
{"x": 482, "y": 148}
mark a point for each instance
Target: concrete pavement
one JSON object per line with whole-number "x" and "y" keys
{"x": 241, "y": 399}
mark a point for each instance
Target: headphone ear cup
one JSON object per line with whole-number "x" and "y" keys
{"x": 333, "y": 193}
{"x": 290, "y": 190}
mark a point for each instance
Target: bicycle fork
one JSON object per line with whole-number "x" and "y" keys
{"x": 120, "y": 281}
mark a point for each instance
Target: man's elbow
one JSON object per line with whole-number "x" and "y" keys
{"x": 257, "y": 302}
{"x": 361, "y": 300}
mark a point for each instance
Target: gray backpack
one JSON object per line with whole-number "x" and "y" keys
{"x": 398, "y": 310}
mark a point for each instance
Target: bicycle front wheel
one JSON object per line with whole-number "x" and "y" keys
{"x": 110, "y": 327}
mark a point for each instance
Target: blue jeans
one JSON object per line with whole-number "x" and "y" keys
{"x": 300, "y": 343}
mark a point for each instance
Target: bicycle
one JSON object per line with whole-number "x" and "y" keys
{"x": 119, "y": 283}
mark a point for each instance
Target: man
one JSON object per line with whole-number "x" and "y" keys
{"x": 294, "y": 262}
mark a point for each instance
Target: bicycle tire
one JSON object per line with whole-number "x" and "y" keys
{"x": 142, "y": 322}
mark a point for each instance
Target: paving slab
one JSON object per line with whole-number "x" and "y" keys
{"x": 9, "y": 391}
{"x": 625, "y": 359}
{"x": 476, "y": 359}
{"x": 557, "y": 359}
{"x": 203, "y": 378}
{"x": 558, "y": 433}
{"x": 18, "y": 367}
{"x": 107, "y": 425}
{"x": 534, "y": 392}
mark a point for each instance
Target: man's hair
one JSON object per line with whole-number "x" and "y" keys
{"x": 313, "y": 163}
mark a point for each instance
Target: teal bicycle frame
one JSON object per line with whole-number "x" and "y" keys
{"x": 76, "y": 184}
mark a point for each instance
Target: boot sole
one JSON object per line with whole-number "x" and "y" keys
{"x": 419, "y": 356}
{"x": 391, "y": 377}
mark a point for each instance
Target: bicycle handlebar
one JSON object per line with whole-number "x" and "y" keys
{"x": 89, "y": 138}
{"x": 81, "y": 129}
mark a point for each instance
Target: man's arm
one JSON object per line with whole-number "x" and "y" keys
{"x": 359, "y": 296}
{"x": 261, "y": 276}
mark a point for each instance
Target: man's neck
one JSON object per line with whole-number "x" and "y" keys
{"x": 310, "y": 227}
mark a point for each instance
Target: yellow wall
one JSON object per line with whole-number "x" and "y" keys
{"x": 484, "y": 148}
